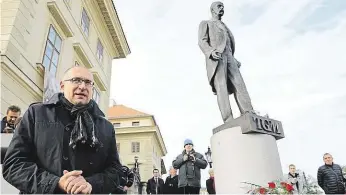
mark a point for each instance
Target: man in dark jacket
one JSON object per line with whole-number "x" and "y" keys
{"x": 171, "y": 184}
{"x": 329, "y": 176}
{"x": 64, "y": 145}
{"x": 210, "y": 183}
{"x": 190, "y": 164}
{"x": 8, "y": 122}
{"x": 155, "y": 185}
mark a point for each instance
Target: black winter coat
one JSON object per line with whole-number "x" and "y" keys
{"x": 39, "y": 151}
{"x": 330, "y": 179}
{"x": 210, "y": 186}
{"x": 151, "y": 186}
{"x": 171, "y": 185}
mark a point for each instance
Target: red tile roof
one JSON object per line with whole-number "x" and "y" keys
{"x": 121, "y": 111}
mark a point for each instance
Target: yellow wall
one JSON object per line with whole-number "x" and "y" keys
{"x": 145, "y": 134}
{"x": 24, "y": 29}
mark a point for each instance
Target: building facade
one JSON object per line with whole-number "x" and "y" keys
{"x": 138, "y": 135}
{"x": 50, "y": 36}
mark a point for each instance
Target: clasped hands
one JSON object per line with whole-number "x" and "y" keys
{"x": 74, "y": 183}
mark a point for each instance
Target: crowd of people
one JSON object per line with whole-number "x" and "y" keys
{"x": 66, "y": 145}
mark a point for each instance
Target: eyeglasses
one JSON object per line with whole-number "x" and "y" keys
{"x": 79, "y": 81}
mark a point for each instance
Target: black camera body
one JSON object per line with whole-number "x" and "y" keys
{"x": 190, "y": 158}
{"x": 10, "y": 126}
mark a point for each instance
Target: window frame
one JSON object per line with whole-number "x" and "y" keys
{"x": 54, "y": 50}
{"x": 135, "y": 122}
{"x": 115, "y": 126}
{"x": 135, "y": 147}
{"x": 85, "y": 29}
{"x": 99, "y": 53}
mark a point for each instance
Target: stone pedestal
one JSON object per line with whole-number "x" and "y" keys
{"x": 241, "y": 153}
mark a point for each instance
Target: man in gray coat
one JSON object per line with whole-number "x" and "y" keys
{"x": 295, "y": 180}
{"x": 189, "y": 164}
{"x": 217, "y": 43}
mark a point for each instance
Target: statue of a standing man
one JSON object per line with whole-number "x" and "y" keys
{"x": 217, "y": 43}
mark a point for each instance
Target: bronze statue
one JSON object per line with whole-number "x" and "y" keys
{"x": 217, "y": 43}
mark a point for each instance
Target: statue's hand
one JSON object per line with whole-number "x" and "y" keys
{"x": 216, "y": 55}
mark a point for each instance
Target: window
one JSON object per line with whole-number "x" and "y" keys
{"x": 135, "y": 147}
{"x": 136, "y": 123}
{"x": 96, "y": 95}
{"x": 85, "y": 22}
{"x": 118, "y": 147}
{"x": 52, "y": 51}
{"x": 99, "y": 50}
{"x": 116, "y": 124}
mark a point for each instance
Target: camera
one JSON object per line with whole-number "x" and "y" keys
{"x": 190, "y": 157}
{"x": 10, "y": 126}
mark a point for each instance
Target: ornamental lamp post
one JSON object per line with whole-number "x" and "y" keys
{"x": 137, "y": 176}
{"x": 136, "y": 162}
{"x": 208, "y": 157}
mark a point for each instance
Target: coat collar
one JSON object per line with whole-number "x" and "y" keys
{"x": 54, "y": 100}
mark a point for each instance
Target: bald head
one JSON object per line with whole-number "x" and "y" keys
{"x": 72, "y": 70}
{"x": 217, "y": 9}
{"x": 211, "y": 172}
{"x": 172, "y": 171}
{"x": 77, "y": 84}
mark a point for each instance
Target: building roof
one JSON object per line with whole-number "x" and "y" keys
{"x": 121, "y": 111}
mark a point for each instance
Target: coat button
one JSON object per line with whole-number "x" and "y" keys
{"x": 65, "y": 157}
{"x": 67, "y": 128}
{"x": 91, "y": 163}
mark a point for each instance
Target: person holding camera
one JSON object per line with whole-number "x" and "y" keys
{"x": 189, "y": 164}
{"x": 8, "y": 122}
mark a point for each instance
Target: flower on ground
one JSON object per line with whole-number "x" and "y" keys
{"x": 271, "y": 185}
{"x": 262, "y": 191}
{"x": 289, "y": 187}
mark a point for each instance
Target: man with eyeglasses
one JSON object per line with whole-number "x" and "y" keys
{"x": 64, "y": 145}
{"x": 189, "y": 163}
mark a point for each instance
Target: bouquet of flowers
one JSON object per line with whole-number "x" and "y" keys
{"x": 276, "y": 187}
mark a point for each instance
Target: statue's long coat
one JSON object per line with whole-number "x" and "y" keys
{"x": 213, "y": 36}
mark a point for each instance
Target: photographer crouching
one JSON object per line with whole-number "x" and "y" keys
{"x": 189, "y": 164}
{"x": 8, "y": 122}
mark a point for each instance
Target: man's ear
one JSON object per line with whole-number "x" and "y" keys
{"x": 62, "y": 85}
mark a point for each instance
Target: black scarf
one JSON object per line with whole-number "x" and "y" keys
{"x": 84, "y": 127}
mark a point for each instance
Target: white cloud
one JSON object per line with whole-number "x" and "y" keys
{"x": 297, "y": 77}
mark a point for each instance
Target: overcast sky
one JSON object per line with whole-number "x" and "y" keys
{"x": 293, "y": 63}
